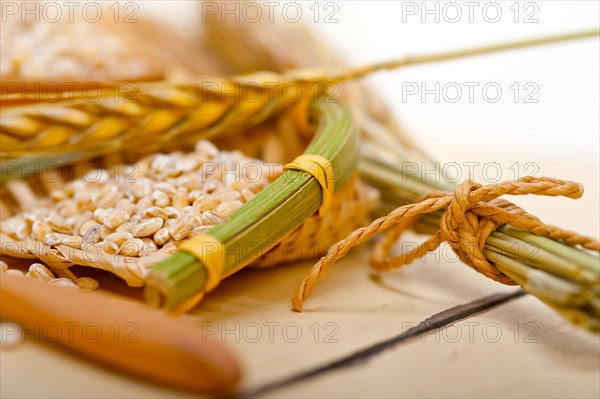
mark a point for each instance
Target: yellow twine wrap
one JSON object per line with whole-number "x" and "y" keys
{"x": 211, "y": 252}
{"x": 321, "y": 169}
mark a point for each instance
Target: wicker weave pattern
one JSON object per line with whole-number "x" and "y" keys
{"x": 350, "y": 210}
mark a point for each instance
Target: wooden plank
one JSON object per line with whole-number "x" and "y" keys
{"x": 363, "y": 309}
{"x": 360, "y": 310}
{"x": 521, "y": 349}
{"x": 437, "y": 321}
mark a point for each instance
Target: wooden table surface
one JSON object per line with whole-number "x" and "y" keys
{"x": 515, "y": 348}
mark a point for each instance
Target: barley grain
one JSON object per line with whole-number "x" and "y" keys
{"x": 92, "y": 234}
{"x": 80, "y": 219}
{"x": 87, "y": 284}
{"x": 31, "y": 218}
{"x": 210, "y": 219}
{"x": 160, "y": 198}
{"x": 206, "y": 203}
{"x": 127, "y": 227}
{"x": 144, "y": 203}
{"x": 68, "y": 208}
{"x": 155, "y": 211}
{"x": 40, "y": 272}
{"x": 180, "y": 198}
{"x": 142, "y": 188}
{"x": 96, "y": 176}
{"x": 169, "y": 247}
{"x": 118, "y": 238}
{"x": 225, "y": 209}
{"x": 58, "y": 224}
{"x": 172, "y": 212}
{"x": 228, "y": 194}
{"x": 187, "y": 164}
{"x": 84, "y": 201}
{"x": 64, "y": 282}
{"x": 105, "y": 231}
{"x": 199, "y": 230}
{"x": 195, "y": 194}
{"x": 9, "y": 227}
{"x": 213, "y": 185}
{"x": 147, "y": 227}
{"x": 131, "y": 247}
{"x": 40, "y": 230}
{"x": 161, "y": 162}
{"x": 54, "y": 238}
{"x": 171, "y": 197}
{"x": 149, "y": 247}
{"x": 22, "y": 231}
{"x": 190, "y": 182}
{"x": 164, "y": 186}
{"x": 99, "y": 214}
{"x": 86, "y": 226}
{"x": 108, "y": 247}
{"x": 113, "y": 218}
{"x": 125, "y": 205}
{"x": 191, "y": 211}
{"x": 73, "y": 242}
{"x": 57, "y": 195}
{"x": 206, "y": 148}
{"x": 162, "y": 236}
{"x": 182, "y": 227}
{"x": 110, "y": 199}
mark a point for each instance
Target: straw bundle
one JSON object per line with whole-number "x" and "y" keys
{"x": 192, "y": 110}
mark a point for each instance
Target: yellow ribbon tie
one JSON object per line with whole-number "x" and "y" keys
{"x": 322, "y": 170}
{"x": 210, "y": 252}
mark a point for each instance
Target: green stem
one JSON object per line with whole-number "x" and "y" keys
{"x": 565, "y": 278}
{"x": 266, "y": 219}
{"x": 462, "y": 53}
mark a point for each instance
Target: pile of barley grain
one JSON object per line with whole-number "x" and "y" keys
{"x": 41, "y": 272}
{"x": 151, "y": 206}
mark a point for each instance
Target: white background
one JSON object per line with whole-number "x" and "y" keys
{"x": 565, "y": 121}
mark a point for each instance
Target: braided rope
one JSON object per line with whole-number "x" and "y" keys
{"x": 471, "y": 214}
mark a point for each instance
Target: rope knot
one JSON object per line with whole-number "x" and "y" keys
{"x": 470, "y": 215}
{"x": 466, "y": 229}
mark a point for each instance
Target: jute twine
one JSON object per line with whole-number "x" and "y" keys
{"x": 471, "y": 214}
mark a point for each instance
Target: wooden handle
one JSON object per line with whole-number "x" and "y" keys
{"x": 130, "y": 336}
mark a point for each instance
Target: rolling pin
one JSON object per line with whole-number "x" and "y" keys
{"x": 121, "y": 334}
